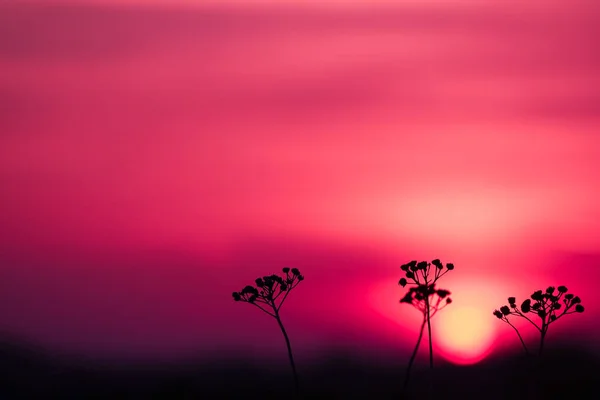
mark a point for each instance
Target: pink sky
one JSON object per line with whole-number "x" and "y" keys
{"x": 154, "y": 160}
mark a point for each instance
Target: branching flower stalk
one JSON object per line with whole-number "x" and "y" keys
{"x": 549, "y": 306}
{"x": 269, "y": 295}
{"x": 425, "y": 274}
{"x": 428, "y": 300}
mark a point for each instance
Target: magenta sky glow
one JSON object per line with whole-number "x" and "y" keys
{"x": 154, "y": 159}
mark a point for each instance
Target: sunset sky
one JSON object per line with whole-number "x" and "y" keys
{"x": 157, "y": 155}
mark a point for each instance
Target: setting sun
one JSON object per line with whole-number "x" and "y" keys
{"x": 464, "y": 334}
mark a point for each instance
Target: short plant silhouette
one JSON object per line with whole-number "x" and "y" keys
{"x": 424, "y": 297}
{"x": 549, "y": 306}
{"x": 269, "y": 295}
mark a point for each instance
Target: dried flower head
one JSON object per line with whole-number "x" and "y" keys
{"x": 423, "y": 272}
{"x": 422, "y": 296}
{"x": 270, "y": 291}
{"x": 547, "y": 305}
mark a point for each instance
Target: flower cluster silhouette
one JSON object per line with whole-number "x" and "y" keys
{"x": 548, "y": 305}
{"x": 270, "y": 291}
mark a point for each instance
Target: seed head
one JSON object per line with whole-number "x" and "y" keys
{"x": 248, "y": 290}
{"x": 407, "y": 298}
{"x": 537, "y": 295}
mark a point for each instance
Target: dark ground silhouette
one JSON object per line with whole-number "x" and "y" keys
{"x": 27, "y": 372}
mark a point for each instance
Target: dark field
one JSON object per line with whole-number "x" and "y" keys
{"x": 28, "y": 372}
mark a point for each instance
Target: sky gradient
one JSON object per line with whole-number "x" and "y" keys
{"x": 156, "y": 156}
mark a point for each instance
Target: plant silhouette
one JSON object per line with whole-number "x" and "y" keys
{"x": 269, "y": 295}
{"x": 549, "y": 305}
{"x": 424, "y": 297}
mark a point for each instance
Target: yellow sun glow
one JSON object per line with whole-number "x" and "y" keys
{"x": 464, "y": 334}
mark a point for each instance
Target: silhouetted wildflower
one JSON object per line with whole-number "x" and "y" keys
{"x": 546, "y": 305}
{"x": 270, "y": 293}
{"x": 424, "y": 297}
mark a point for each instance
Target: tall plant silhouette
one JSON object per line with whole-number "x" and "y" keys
{"x": 424, "y": 296}
{"x": 549, "y": 306}
{"x": 268, "y": 295}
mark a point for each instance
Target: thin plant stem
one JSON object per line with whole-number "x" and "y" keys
{"x": 520, "y": 337}
{"x": 290, "y": 354}
{"x": 414, "y": 353}
{"x": 428, "y": 319}
{"x": 542, "y": 337}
